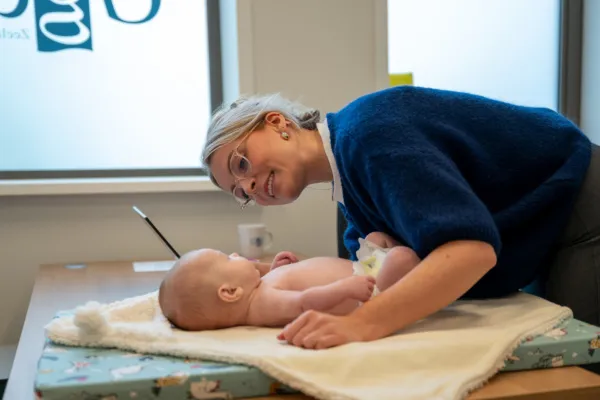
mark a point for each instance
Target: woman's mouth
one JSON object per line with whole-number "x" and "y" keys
{"x": 269, "y": 185}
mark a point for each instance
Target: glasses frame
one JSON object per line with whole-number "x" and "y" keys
{"x": 251, "y": 200}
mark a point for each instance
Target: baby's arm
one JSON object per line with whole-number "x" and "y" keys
{"x": 282, "y": 258}
{"x": 323, "y": 298}
{"x": 277, "y": 307}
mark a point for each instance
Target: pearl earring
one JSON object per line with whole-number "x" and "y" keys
{"x": 285, "y": 136}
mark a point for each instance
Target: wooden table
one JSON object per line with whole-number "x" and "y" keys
{"x": 58, "y": 288}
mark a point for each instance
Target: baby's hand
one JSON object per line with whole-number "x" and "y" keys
{"x": 283, "y": 258}
{"x": 361, "y": 287}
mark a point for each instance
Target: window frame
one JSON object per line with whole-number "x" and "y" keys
{"x": 213, "y": 25}
{"x": 570, "y": 59}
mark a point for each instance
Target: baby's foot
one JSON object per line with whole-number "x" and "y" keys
{"x": 361, "y": 287}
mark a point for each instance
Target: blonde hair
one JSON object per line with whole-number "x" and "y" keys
{"x": 232, "y": 121}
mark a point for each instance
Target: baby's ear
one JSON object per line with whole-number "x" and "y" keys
{"x": 230, "y": 294}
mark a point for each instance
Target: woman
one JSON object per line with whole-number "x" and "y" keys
{"x": 491, "y": 196}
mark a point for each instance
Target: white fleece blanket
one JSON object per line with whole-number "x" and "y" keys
{"x": 442, "y": 357}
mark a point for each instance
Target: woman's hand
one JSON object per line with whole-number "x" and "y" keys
{"x": 283, "y": 258}
{"x": 316, "y": 330}
{"x": 439, "y": 279}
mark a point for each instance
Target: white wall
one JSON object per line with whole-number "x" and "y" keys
{"x": 516, "y": 42}
{"x": 322, "y": 52}
{"x": 590, "y": 83}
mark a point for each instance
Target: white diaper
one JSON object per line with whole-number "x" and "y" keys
{"x": 370, "y": 259}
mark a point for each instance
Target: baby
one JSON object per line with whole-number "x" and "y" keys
{"x": 207, "y": 289}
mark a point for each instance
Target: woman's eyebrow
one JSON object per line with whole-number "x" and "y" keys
{"x": 229, "y": 157}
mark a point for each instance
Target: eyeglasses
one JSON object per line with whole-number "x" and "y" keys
{"x": 241, "y": 168}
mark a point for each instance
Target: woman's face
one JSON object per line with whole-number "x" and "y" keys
{"x": 270, "y": 166}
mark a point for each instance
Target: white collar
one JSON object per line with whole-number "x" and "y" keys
{"x": 337, "y": 183}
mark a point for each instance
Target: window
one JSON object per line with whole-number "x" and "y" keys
{"x": 106, "y": 88}
{"x": 504, "y": 49}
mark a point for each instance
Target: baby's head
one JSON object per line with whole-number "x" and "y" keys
{"x": 207, "y": 289}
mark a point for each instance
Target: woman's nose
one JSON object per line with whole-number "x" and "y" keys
{"x": 249, "y": 185}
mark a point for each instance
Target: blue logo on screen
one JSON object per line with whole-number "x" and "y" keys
{"x": 66, "y": 24}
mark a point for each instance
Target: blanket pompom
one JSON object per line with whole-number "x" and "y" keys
{"x": 89, "y": 319}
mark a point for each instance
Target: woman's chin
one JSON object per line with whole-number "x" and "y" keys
{"x": 284, "y": 195}
{"x": 281, "y": 201}
{"x": 285, "y": 198}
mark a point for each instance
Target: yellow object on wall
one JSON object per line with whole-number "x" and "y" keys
{"x": 401, "y": 79}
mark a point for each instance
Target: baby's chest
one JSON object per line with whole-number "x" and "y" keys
{"x": 299, "y": 279}
{"x": 287, "y": 280}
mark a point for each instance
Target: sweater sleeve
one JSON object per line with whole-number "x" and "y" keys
{"x": 422, "y": 196}
{"x": 351, "y": 236}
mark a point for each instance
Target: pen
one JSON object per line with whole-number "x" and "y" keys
{"x": 155, "y": 229}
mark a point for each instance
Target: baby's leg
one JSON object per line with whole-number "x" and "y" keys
{"x": 382, "y": 240}
{"x": 399, "y": 261}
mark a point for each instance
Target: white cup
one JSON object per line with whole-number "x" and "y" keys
{"x": 254, "y": 240}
